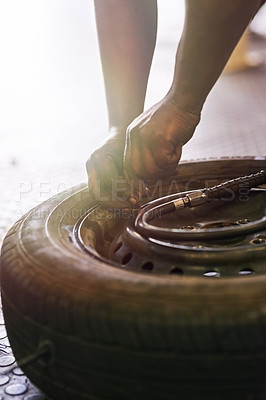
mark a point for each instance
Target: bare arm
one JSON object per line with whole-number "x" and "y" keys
{"x": 211, "y": 31}
{"x": 127, "y": 34}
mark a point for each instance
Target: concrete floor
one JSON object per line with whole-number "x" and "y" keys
{"x": 233, "y": 124}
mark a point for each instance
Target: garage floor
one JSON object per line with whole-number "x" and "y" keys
{"x": 233, "y": 124}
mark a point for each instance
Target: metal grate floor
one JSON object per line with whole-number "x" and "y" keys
{"x": 234, "y": 117}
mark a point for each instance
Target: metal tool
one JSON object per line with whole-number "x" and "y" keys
{"x": 225, "y": 191}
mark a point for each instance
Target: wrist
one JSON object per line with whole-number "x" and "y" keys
{"x": 117, "y": 131}
{"x": 185, "y": 101}
{"x": 184, "y": 112}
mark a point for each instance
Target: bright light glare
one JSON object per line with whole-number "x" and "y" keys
{"x": 52, "y": 101}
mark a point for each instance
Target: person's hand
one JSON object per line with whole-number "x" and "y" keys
{"x": 154, "y": 141}
{"x": 105, "y": 172}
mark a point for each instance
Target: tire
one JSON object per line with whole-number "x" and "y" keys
{"x": 117, "y": 334}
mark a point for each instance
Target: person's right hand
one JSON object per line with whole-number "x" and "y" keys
{"x": 154, "y": 141}
{"x": 107, "y": 183}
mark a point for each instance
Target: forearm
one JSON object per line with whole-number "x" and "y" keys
{"x": 127, "y": 35}
{"x": 212, "y": 29}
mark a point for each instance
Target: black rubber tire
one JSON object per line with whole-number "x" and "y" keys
{"x": 121, "y": 335}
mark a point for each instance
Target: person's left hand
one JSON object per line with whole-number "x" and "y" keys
{"x": 105, "y": 173}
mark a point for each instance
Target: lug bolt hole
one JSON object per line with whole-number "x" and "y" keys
{"x": 258, "y": 241}
{"x": 176, "y": 271}
{"x": 117, "y": 247}
{"x": 246, "y": 272}
{"x": 126, "y": 258}
{"x": 148, "y": 266}
{"x": 243, "y": 221}
{"x": 212, "y": 274}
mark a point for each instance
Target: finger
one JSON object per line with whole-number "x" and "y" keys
{"x": 112, "y": 191}
{"x": 166, "y": 153}
{"x": 137, "y": 188}
{"x": 121, "y": 189}
{"x": 139, "y": 163}
{"x": 101, "y": 170}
